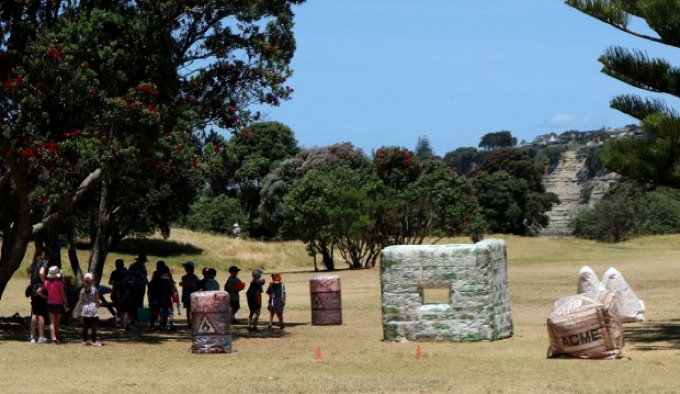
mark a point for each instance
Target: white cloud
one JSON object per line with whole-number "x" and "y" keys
{"x": 567, "y": 120}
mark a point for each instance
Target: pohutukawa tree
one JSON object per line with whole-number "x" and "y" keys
{"x": 656, "y": 157}
{"x": 102, "y": 104}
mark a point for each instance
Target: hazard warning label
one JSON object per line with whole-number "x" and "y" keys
{"x": 316, "y": 303}
{"x": 206, "y": 326}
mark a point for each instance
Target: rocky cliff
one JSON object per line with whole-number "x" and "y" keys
{"x": 575, "y": 189}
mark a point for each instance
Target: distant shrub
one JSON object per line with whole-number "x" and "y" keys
{"x": 215, "y": 215}
{"x": 629, "y": 210}
{"x": 663, "y": 212}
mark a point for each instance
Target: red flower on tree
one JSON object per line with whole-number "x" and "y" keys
{"x": 55, "y": 53}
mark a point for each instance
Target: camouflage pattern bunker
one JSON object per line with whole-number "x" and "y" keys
{"x": 446, "y": 292}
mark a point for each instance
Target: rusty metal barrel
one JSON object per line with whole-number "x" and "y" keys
{"x": 326, "y": 303}
{"x": 210, "y": 322}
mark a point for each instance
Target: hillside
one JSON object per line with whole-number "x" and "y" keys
{"x": 575, "y": 189}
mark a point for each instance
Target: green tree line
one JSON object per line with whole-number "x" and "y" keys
{"x": 339, "y": 199}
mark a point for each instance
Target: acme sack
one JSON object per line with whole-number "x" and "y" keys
{"x": 585, "y": 326}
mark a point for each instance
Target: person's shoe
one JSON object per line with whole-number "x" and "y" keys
{"x": 96, "y": 344}
{"x": 32, "y": 340}
{"x": 283, "y": 326}
{"x": 42, "y": 340}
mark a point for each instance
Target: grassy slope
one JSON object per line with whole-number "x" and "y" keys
{"x": 354, "y": 357}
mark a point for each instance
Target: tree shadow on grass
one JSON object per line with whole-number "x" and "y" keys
{"x": 19, "y": 332}
{"x": 654, "y": 335}
{"x": 156, "y": 247}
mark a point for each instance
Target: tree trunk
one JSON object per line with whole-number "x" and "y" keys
{"x": 14, "y": 245}
{"x": 73, "y": 260}
{"x": 52, "y": 242}
{"x": 327, "y": 257}
{"x": 16, "y": 236}
{"x": 101, "y": 241}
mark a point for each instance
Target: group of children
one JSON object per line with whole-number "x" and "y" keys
{"x": 276, "y": 291}
{"x": 49, "y": 296}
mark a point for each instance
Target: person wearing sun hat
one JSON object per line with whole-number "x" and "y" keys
{"x": 277, "y": 299}
{"x": 233, "y": 286}
{"x": 57, "y": 303}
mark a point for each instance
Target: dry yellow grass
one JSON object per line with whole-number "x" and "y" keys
{"x": 354, "y": 358}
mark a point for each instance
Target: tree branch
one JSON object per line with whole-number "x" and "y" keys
{"x": 69, "y": 204}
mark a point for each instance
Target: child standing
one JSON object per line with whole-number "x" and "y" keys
{"x": 167, "y": 293}
{"x": 189, "y": 284}
{"x": 57, "y": 304}
{"x": 208, "y": 283}
{"x": 89, "y": 299}
{"x": 233, "y": 286}
{"x": 277, "y": 299}
{"x": 254, "y": 297}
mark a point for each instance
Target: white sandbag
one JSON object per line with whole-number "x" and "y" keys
{"x": 631, "y": 309}
{"x": 587, "y": 281}
{"x": 585, "y": 326}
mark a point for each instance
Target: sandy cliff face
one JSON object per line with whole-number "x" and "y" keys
{"x": 574, "y": 189}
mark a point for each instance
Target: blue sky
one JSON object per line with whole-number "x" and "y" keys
{"x": 384, "y": 72}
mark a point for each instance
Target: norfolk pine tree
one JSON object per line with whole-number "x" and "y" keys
{"x": 654, "y": 158}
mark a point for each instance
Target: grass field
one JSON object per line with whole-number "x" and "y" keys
{"x": 353, "y": 356}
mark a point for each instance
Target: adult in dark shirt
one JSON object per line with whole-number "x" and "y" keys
{"x": 38, "y": 274}
{"x": 139, "y": 278}
{"x": 114, "y": 281}
{"x": 125, "y": 301}
{"x": 154, "y": 291}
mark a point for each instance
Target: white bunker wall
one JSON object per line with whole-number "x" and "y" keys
{"x": 416, "y": 280}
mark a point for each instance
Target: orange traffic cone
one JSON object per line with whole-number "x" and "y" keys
{"x": 319, "y": 357}
{"x": 419, "y": 353}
